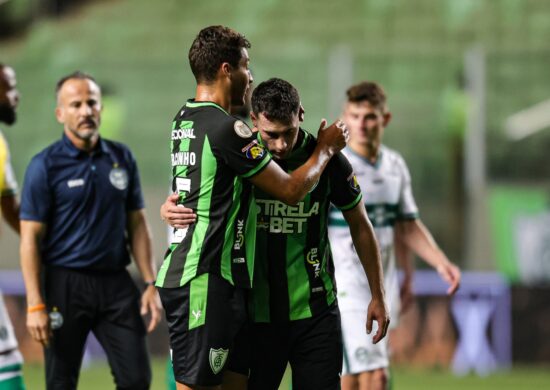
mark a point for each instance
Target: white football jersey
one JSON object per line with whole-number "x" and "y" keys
{"x": 387, "y": 194}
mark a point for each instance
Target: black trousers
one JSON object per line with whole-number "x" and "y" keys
{"x": 106, "y": 304}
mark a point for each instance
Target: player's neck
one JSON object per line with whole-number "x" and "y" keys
{"x": 366, "y": 151}
{"x": 215, "y": 94}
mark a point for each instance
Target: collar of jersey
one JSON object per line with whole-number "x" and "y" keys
{"x": 73, "y": 151}
{"x": 193, "y": 104}
{"x": 375, "y": 164}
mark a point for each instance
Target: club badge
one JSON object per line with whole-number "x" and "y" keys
{"x": 56, "y": 319}
{"x": 118, "y": 178}
{"x": 217, "y": 359}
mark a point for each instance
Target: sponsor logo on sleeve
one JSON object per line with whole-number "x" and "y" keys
{"x": 353, "y": 183}
{"x": 242, "y": 129}
{"x": 254, "y": 150}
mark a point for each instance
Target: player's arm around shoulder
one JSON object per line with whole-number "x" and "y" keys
{"x": 141, "y": 244}
{"x": 292, "y": 188}
{"x": 365, "y": 243}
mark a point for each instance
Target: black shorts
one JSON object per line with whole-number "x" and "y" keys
{"x": 312, "y": 346}
{"x": 207, "y": 323}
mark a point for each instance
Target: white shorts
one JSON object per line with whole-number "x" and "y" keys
{"x": 7, "y": 335}
{"x": 360, "y": 354}
{"x": 10, "y": 363}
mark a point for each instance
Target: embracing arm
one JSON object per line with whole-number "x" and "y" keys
{"x": 291, "y": 188}
{"x": 140, "y": 239}
{"x": 364, "y": 240}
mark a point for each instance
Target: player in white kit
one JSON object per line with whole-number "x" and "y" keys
{"x": 386, "y": 184}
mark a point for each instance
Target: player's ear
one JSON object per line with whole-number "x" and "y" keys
{"x": 60, "y": 115}
{"x": 301, "y": 113}
{"x": 387, "y": 118}
{"x": 253, "y": 118}
{"x": 225, "y": 69}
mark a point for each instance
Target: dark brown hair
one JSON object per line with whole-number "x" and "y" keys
{"x": 277, "y": 99}
{"x": 212, "y": 47}
{"x": 367, "y": 91}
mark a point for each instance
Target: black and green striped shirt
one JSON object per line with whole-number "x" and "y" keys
{"x": 212, "y": 155}
{"x": 294, "y": 273}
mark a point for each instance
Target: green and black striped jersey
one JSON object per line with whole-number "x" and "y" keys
{"x": 294, "y": 273}
{"x": 212, "y": 155}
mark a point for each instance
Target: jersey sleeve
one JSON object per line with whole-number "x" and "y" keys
{"x": 134, "y": 200}
{"x": 407, "y": 206}
{"x": 36, "y": 197}
{"x": 239, "y": 148}
{"x": 345, "y": 191}
{"x": 9, "y": 185}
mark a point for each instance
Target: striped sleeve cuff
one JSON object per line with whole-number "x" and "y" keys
{"x": 259, "y": 167}
{"x": 351, "y": 205}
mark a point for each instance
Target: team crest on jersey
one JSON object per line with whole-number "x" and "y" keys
{"x": 56, "y": 319}
{"x": 118, "y": 178}
{"x": 217, "y": 359}
{"x": 242, "y": 129}
{"x": 254, "y": 150}
{"x": 362, "y": 354}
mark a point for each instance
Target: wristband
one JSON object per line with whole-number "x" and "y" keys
{"x": 150, "y": 283}
{"x": 35, "y": 308}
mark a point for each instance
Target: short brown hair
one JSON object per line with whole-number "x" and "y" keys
{"x": 367, "y": 91}
{"x": 212, "y": 47}
{"x": 79, "y": 75}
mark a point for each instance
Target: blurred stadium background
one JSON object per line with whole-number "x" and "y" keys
{"x": 467, "y": 82}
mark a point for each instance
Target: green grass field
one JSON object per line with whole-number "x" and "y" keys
{"x": 97, "y": 376}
